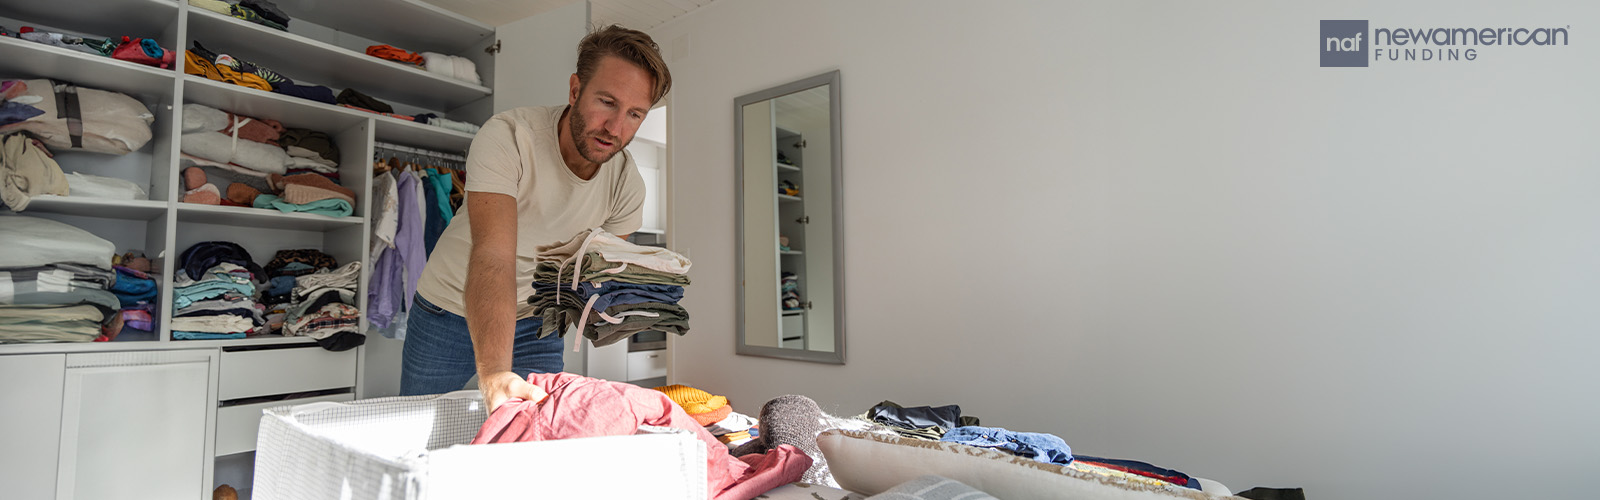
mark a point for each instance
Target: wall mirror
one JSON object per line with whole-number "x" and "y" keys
{"x": 791, "y": 258}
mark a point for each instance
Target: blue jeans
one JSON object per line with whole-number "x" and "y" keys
{"x": 438, "y": 351}
{"x": 1041, "y": 447}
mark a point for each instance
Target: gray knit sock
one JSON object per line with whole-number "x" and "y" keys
{"x": 796, "y": 421}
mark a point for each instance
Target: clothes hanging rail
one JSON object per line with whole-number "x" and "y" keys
{"x": 417, "y": 151}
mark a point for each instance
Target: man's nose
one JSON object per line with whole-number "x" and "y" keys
{"x": 613, "y": 125}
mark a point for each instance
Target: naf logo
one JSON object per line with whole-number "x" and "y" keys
{"x": 1344, "y": 44}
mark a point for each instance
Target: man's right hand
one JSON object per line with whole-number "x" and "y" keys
{"x": 499, "y": 387}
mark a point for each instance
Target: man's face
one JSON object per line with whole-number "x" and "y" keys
{"x": 607, "y": 109}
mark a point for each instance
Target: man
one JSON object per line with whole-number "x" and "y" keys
{"x": 535, "y": 176}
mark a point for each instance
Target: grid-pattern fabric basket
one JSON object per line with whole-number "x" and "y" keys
{"x": 361, "y": 449}
{"x": 409, "y": 448}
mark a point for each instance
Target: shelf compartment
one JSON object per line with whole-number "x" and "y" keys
{"x": 420, "y": 135}
{"x": 101, "y": 18}
{"x": 294, "y": 112}
{"x": 22, "y": 59}
{"x": 300, "y": 58}
{"x": 144, "y": 210}
{"x": 260, "y": 218}
{"x": 409, "y": 24}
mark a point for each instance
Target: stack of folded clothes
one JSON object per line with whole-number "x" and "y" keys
{"x": 790, "y": 289}
{"x": 323, "y": 308}
{"x": 137, "y": 293}
{"x": 262, "y": 12}
{"x": 57, "y": 279}
{"x": 610, "y": 288}
{"x": 242, "y": 161}
{"x": 713, "y": 412}
{"x": 281, "y": 272}
{"x": 214, "y": 295}
{"x": 203, "y": 62}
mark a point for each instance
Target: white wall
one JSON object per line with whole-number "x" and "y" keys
{"x": 1162, "y": 232}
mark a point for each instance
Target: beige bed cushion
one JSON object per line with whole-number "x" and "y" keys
{"x": 872, "y": 463}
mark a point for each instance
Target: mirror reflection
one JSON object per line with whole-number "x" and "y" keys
{"x": 791, "y": 278}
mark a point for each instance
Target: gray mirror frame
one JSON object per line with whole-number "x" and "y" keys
{"x": 831, "y": 79}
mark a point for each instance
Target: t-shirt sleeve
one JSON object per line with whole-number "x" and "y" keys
{"x": 494, "y": 165}
{"x": 627, "y": 207}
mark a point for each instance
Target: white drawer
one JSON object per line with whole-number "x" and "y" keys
{"x": 271, "y": 372}
{"x": 237, "y": 425}
{"x": 647, "y": 364}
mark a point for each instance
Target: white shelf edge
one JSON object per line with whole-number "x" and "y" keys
{"x": 245, "y": 214}
{"x": 250, "y": 93}
{"x": 147, "y": 345}
{"x": 785, "y": 197}
{"x": 382, "y": 120}
{"x": 129, "y": 75}
{"x": 785, "y": 166}
{"x": 88, "y": 200}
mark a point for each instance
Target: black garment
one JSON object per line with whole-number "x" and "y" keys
{"x": 1259, "y": 493}
{"x": 267, "y": 9}
{"x": 313, "y": 140}
{"x": 355, "y": 98}
{"x": 918, "y": 417}
{"x": 342, "y": 341}
{"x": 207, "y": 254}
{"x": 309, "y": 256}
{"x": 1141, "y": 468}
{"x": 322, "y": 298}
{"x": 312, "y": 92}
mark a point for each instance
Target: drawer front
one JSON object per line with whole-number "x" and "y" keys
{"x": 236, "y": 425}
{"x": 282, "y": 371}
{"x": 647, "y": 364}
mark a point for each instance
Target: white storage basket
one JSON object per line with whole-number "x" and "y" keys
{"x": 415, "y": 448}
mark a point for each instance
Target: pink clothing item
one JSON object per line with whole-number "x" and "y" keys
{"x": 206, "y": 194}
{"x": 581, "y": 407}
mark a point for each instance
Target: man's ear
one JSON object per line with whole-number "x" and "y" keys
{"x": 574, "y": 85}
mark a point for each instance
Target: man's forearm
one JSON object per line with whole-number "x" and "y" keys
{"x": 491, "y": 312}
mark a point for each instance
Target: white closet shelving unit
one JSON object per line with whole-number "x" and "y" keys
{"x": 210, "y": 392}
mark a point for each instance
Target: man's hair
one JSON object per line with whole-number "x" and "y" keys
{"x": 630, "y": 45}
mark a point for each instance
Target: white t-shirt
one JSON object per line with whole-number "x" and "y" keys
{"x": 518, "y": 154}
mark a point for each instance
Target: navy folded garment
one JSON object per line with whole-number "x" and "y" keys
{"x": 207, "y": 254}
{"x": 917, "y": 417}
{"x": 313, "y": 92}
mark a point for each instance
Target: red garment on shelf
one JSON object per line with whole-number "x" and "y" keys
{"x": 581, "y": 407}
{"x": 393, "y": 53}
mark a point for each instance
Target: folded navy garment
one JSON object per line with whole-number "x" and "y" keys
{"x": 313, "y": 92}
{"x": 917, "y": 417}
{"x": 207, "y": 254}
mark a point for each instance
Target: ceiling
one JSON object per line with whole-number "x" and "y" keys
{"x": 636, "y": 14}
{"x": 805, "y": 112}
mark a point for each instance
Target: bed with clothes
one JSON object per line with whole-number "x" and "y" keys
{"x": 673, "y": 441}
{"x": 593, "y": 438}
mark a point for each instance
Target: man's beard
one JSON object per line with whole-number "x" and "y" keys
{"x": 585, "y": 149}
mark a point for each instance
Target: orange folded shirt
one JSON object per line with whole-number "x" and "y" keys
{"x": 393, "y": 53}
